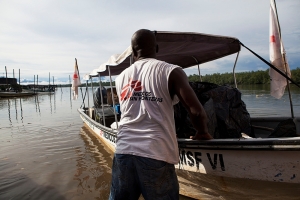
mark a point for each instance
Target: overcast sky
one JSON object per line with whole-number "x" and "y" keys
{"x": 39, "y": 37}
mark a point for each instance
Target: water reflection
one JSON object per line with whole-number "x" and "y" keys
{"x": 20, "y": 186}
{"x": 47, "y": 154}
{"x": 37, "y": 104}
{"x": 70, "y": 97}
{"x": 54, "y": 101}
{"x": 8, "y": 106}
{"x": 14, "y": 106}
{"x": 50, "y": 104}
{"x": 21, "y": 110}
{"x": 93, "y": 166}
{"x": 16, "y": 109}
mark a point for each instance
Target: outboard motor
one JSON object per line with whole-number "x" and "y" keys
{"x": 97, "y": 97}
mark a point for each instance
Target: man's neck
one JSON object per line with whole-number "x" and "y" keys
{"x": 141, "y": 58}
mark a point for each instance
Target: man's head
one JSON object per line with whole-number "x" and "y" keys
{"x": 143, "y": 44}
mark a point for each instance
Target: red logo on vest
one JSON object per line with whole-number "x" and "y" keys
{"x": 128, "y": 89}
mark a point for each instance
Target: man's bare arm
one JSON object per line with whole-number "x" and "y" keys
{"x": 179, "y": 85}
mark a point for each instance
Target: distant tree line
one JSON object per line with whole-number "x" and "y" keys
{"x": 95, "y": 84}
{"x": 242, "y": 78}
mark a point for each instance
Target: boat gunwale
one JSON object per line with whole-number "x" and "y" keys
{"x": 257, "y": 144}
{"x": 97, "y": 124}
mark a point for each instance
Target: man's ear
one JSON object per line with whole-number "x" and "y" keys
{"x": 156, "y": 48}
{"x": 134, "y": 52}
{"x": 134, "y": 55}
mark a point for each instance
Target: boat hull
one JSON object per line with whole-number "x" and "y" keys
{"x": 229, "y": 167}
{"x": 15, "y": 94}
{"x": 256, "y": 159}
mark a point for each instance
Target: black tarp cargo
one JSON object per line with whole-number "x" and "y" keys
{"x": 108, "y": 115}
{"x": 226, "y": 112}
{"x": 97, "y": 97}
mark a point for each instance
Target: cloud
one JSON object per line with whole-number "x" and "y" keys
{"x": 39, "y": 37}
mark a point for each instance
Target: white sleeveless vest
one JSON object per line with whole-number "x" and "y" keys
{"x": 147, "y": 126}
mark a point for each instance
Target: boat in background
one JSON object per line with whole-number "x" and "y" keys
{"x": 227, "y": 168}
{"x": 16, "y": 94}
{"x": 40, "y": 89}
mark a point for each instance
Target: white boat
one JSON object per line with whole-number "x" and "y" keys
{"x": 41, "y": 90}
{"x": 257, "y": 167}
{"x": 15, "y": 94}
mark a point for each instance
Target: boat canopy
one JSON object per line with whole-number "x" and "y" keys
{"x": 185, "y": 49}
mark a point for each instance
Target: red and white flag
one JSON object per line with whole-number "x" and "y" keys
{"x": 277, "y": 56}
{"x": 76, "y": 81}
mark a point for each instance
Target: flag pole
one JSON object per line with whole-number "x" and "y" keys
{"x": 284, "y": 61}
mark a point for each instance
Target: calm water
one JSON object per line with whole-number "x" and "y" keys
{"x": 48, "y": 153}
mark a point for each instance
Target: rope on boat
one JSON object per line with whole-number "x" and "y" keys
{"x": 281, "y": 73}
{"x": 272, "y": 66}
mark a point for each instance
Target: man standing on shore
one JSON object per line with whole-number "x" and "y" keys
{"x": 146, "y": 146}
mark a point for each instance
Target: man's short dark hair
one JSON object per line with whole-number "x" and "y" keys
{"x": 143, "y": 40}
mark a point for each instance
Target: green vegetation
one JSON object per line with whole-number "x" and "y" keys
{"x": 246, "y": 78}
{"x": 242, "y": 78}
{"x": 95, "y": 84}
